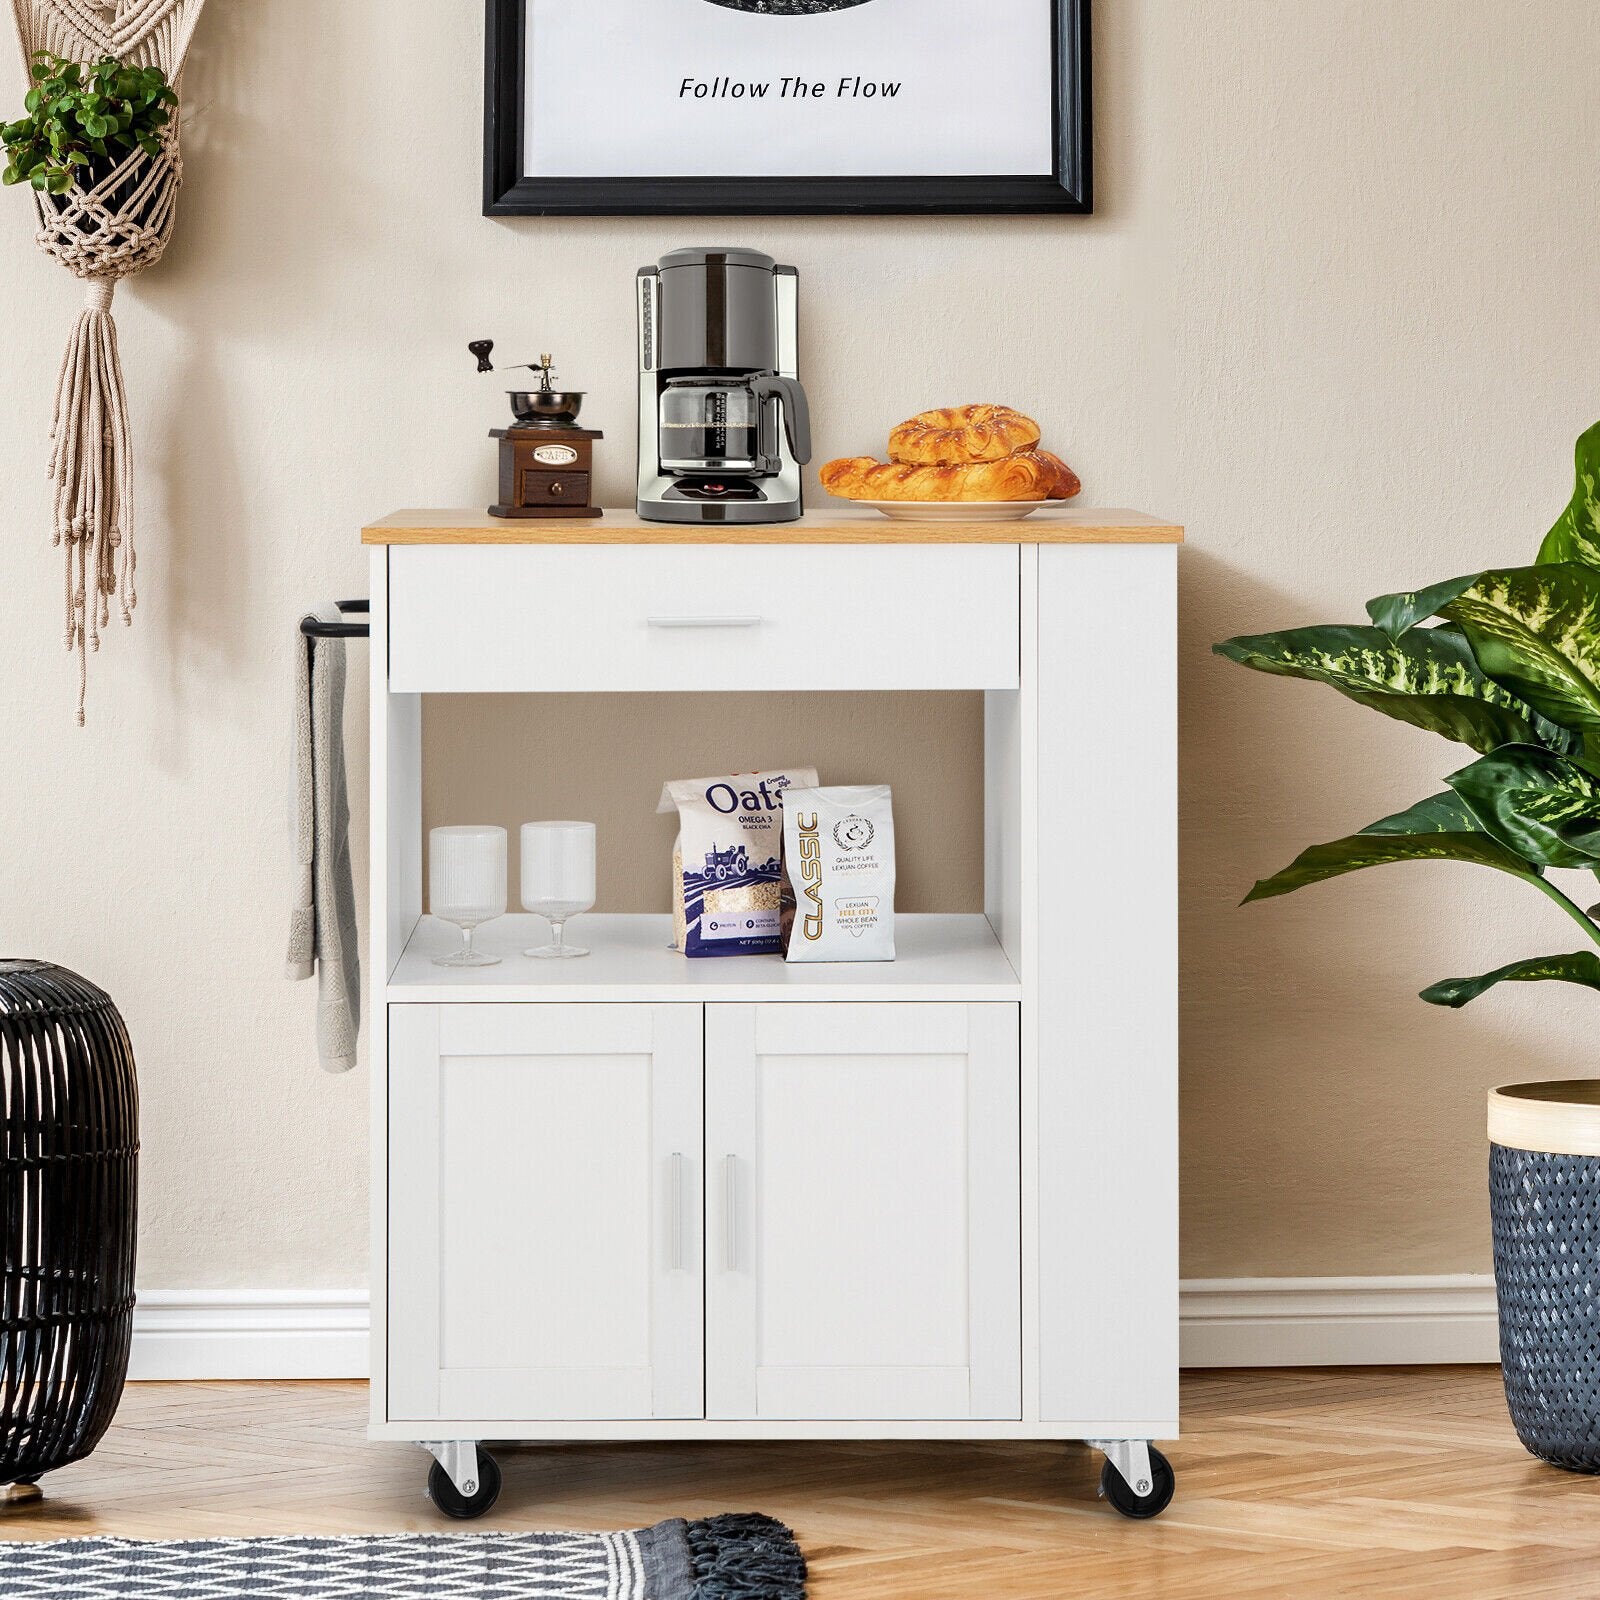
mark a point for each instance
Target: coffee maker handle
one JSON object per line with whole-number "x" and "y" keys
{"x": 796, "y": 413}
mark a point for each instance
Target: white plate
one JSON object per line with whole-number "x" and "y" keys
{"x": 954, "y": 510}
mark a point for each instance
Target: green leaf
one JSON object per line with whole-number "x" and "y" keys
{"x": 1536, "y": 803}
{"x": 1397, "y": 614}
{"x": 1361, "y": 850}
{"x": 1439, "y": 813}
{"x": 1429, "y": 679}
{"x": 1576, "y": 534}
{"x": 1536, "y": 632}
{"x": 1583, "y": 966}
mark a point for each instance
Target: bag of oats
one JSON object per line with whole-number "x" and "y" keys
{"x": 728, "y": 859}
{"x": 838, "y": 857}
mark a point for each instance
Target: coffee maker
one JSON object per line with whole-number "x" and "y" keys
{"x": 723, "y": 423}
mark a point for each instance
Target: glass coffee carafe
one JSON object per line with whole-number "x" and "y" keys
{"x": 720, "y": 424}
{"x": 710, "y": 425}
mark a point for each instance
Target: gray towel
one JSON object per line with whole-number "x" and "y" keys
{"x": 322, "y": 929}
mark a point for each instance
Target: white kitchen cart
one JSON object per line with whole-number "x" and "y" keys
{"x": 640, "y": 1197}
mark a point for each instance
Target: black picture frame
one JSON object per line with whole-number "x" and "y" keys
{"x": 509, "y": 192}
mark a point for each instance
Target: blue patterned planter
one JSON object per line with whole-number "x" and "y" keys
{"x": 1545, "y": 1215}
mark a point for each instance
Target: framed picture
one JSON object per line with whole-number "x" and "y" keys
{"x": 765, "y": 107}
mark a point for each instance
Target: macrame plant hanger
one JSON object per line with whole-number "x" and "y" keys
{"x": 115, "y": 228}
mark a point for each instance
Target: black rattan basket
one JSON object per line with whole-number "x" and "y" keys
{"x": 69, "y": 1158}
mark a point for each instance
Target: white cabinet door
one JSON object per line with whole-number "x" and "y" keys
{"x": 544, "y": 1238}
{"x": 862, "y": 1211}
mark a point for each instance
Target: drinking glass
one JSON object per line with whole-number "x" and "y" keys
{"x": 467, "y": 885}
{"x": 557, "y": 879}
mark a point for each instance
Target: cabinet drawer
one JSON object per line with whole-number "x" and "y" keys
{"x": 612, "y": 617}
{"x": 540, "y": 486}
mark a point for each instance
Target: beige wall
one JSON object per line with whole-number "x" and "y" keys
{"x": 1337, "y": 312}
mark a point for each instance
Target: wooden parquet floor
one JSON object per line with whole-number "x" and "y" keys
{"x": 1365, "y": 1482}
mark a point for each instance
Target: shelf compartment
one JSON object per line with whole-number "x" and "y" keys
{"x": 941, "y": 957}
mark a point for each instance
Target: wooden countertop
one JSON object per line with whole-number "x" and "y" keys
{"x": 1053, "y": 525}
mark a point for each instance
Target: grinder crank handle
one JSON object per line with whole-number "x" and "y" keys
{"x": 481, "y": 348}
{"x": 796, "y": 413}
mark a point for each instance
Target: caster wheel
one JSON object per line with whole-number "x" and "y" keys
{"x": 450, "y": 1499}
{"x": 1115, "y": 1488}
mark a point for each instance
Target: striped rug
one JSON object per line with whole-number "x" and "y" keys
{"x": 720, "y": 1558}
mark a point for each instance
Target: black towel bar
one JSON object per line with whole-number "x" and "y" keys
{"x": 313, "y": 628}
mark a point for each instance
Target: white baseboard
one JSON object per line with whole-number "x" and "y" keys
{"x": 1339, "y": 1322}
{"x": 1227, "y": 1322}
{"x": 249, "y": 1333}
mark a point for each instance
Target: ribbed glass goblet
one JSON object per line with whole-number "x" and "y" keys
{"x": 467, "y": 885}
{"x": 557, "y": 879}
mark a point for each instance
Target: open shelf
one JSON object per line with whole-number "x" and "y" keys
{"x": 940, "y": 957}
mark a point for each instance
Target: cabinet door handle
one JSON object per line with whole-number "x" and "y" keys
{"x": 703, "y": 622}
{"x": 730, "y": 1213}
{"x": 677, "y": 1210}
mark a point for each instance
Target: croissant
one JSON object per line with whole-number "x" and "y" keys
{"x": 957, "y": 435}
{"x": 1066, "y": 484}
{"x": 1020, "y": 477}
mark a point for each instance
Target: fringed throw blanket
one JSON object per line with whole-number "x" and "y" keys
{"x": 722, "y": 1558}
{"x": 117, "y": 226}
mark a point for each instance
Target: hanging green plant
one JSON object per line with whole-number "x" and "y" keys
{"x": 98, "y": 152}
{"x": 86, "y": 117}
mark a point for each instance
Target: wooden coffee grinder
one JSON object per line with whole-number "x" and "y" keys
{"x": 546, "y": 459}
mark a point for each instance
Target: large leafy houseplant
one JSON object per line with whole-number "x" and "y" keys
{"x": 1509, "y": 667}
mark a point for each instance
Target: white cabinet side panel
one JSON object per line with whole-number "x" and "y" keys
{"x": 395, "y": 795}
{"x": 386, "y": 939}
{"x": 1107, "y": 983}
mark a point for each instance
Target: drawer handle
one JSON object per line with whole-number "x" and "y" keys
{"x": 703, "y": 622}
